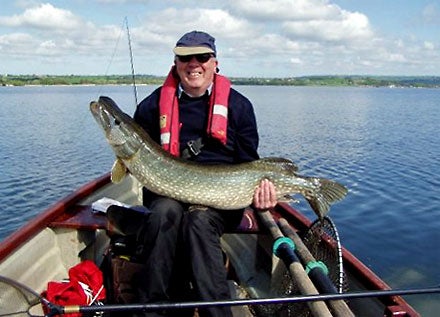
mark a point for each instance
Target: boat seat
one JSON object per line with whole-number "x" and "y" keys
{"x": 82, "y": 217}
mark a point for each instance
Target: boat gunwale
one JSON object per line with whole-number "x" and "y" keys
{"x": 43, "y": 219}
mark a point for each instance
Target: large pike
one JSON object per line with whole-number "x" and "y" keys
{"x": 218, "y": 186}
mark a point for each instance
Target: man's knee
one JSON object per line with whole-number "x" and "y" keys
{"x": 166, "y": 209}
{"x": 203, "y": 220}
{"x": 165, "y": 216}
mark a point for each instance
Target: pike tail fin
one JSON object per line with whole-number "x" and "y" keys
{"x": 327, "y": 193}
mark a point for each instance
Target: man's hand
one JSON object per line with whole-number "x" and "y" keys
{"x": 265, "y": 196}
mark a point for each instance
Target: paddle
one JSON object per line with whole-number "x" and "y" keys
{"x": 25, "y": 298}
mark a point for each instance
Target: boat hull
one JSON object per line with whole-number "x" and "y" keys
{"x": 68, "y": 232}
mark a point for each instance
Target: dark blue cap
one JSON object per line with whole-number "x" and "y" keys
{"x": 195, "y": 42}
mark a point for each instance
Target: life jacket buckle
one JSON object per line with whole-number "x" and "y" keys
{"x": 194, "y": 147}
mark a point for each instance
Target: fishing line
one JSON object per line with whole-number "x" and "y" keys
{"x": 114, "y": 50}
{"x": 112, "y": 57}
{"x": 110, "y": 63}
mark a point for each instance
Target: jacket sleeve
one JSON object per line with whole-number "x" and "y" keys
{"x": 244, "y": 128}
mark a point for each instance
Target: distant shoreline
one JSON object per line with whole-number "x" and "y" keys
{"x": 325, "y": 80}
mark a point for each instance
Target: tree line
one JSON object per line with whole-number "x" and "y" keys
{"x": 328, "y": 80}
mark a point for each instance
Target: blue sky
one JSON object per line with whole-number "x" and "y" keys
{"x": 261, "y": 38}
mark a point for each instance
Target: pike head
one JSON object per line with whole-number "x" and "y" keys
{"x": 119, "y": 128}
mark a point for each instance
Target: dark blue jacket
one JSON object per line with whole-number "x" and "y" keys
{"x": 242, "y": 134}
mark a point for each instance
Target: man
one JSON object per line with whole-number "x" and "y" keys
{"x": 198, "y": 116}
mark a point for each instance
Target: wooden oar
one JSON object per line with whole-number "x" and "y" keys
{"x": 317, "y": 275}
{"x": 283, "y": 248}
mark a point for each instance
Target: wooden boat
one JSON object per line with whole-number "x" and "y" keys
{"x": 68, "y": 232}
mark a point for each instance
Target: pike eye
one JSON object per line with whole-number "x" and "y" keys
{"x": 117, "y": 122}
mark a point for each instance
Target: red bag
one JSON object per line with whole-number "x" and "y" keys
{"x": 88, "y": 273}
{"x": 84, "y": 287}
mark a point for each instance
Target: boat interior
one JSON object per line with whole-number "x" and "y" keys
{"x": 77, "y": 234}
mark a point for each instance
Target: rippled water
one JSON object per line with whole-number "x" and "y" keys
{"x": 381, "y": 143}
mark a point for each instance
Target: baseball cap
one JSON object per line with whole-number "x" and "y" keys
{"x": 195, "y": 42}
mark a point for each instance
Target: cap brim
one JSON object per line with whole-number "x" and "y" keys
{"x": 191, "y": 50}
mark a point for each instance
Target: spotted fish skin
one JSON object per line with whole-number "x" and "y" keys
{"x": 224, "y": 187}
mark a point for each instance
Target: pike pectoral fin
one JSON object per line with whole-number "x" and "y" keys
{"x": 118, "y": 171}
{"x": 328, "y": 193}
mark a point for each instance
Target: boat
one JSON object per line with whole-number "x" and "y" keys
{"x": 69, "y": 232}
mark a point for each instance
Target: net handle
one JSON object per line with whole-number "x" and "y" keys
{"x": 29, "y": 298}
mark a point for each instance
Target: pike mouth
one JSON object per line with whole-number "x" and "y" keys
{"x": 103, "y": 117}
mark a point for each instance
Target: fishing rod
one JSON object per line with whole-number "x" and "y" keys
{"x": 24, "y": 298}
{"x": 257, "y": 301}
{"x": 133, "y": 77}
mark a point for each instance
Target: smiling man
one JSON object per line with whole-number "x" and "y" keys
{"x": 195, "y": 115}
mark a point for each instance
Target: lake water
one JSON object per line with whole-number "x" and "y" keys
{"x": 383, "y": 144}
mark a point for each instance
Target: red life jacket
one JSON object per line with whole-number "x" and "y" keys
{"x": 169, "y": 112}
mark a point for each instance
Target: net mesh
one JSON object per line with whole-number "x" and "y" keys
{"x": 17, "y": 300}
{"x": 322, "y": 239}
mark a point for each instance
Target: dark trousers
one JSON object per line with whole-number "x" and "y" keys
{"x": 182, "y": 249}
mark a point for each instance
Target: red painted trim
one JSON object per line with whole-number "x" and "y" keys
{"x": 41, "y": 221}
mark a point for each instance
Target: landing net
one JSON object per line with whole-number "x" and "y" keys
{"x": 322, "y": 240}
{"x": 18, "y": 300}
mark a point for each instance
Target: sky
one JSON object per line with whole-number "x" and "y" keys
{"x": 254, "y": 38}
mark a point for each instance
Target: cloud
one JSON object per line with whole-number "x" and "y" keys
{"x": 254, "y": 38}
{"x": 122, "y": 1}
{"x": 314, "y": 20}
{"x": 431, "y": 14}
{"x": 215, "y": 21}
{"x": 312, "y": 34}
{"x": 53, "y": 31}
{"x": 348, "y": 28}
{"x": 232, "y": 33}
{"x": 267, "y": 10}
{"x": 428, "y": 45}
{"x": 44, "y": 16}
{"x": 296, "y": 61}
{"x": 15, "y": 44}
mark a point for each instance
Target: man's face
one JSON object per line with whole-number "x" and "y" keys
{"x": 195, "y": 73}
